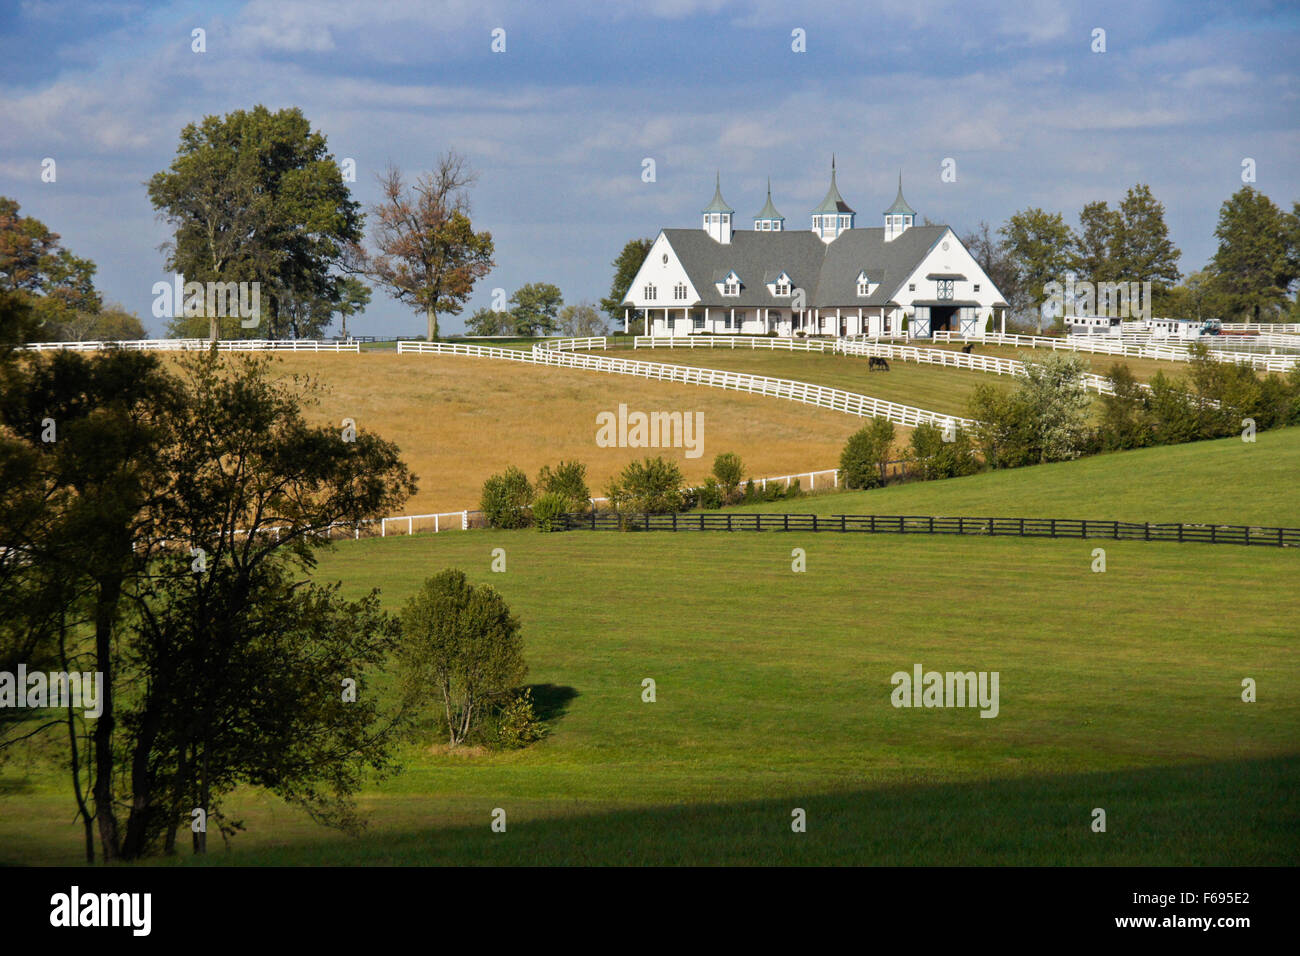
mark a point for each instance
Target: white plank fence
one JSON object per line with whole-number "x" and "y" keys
{"x": 1105, "y": 346}
{"x": 198, "y": 345}
{"x": 805, "y": 393}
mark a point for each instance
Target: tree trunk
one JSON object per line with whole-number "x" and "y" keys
{"x": 105, "y": 611}
{"x": 433, "y": 324}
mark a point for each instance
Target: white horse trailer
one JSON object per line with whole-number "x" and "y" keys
{"x": 1092, "y": 325}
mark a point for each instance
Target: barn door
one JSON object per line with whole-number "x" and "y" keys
{"x": 969, "y": 322}
{"x": 921, "y": 323}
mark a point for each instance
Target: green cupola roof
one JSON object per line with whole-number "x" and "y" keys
{"x": 900, "y": 206}
{"x": 769, "y": 211}
{"x": 718, "y": 204}
{"x": 833, "y": 202}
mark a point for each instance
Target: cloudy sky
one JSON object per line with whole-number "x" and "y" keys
{"x": 559, "y": 125}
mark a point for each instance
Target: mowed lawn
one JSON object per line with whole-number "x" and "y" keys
{"x": 459, "y": 420}
{"x": 1227, "y": 481}
{"x": 932, "y": 387}
{"x": 1118, "y": 690}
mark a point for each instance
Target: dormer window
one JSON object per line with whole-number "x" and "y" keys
{"x": 782, "y": 288}
{"x": 731, "y": 287}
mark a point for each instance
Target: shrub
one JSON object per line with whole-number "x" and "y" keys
{"x": 862, "y": 463}
{"x": 505, "y": 499}
{"x": 1056, "y": 402}
{"x": 729, "y": 471}
{"x": 547, "y": 509}
{"x": 517, "y": 724}
{"x": 936, "y": 458}
{"x": 1005, "y": 431}
{"x": 1126, "y": 420}
{"x": 709, "y": 496}
{"x": 461, "y": 642}
{"x": 752, "y": 493}
{"x": 652, "y": 485}
{"x": 569, "y": 481}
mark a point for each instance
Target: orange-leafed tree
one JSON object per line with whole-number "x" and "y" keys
{"x": 429, "y": 255}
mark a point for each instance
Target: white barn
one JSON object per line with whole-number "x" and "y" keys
{"x": 832, "y": 279}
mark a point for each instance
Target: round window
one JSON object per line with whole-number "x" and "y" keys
{"x": 665, "y": 258}
{"x": 945, "y": 247}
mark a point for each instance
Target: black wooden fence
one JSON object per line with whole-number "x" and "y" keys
{"x": 933, "y": 524}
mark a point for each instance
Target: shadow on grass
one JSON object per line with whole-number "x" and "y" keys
{"x": 1239, "y": 813}
{"x": 551, "y": 701}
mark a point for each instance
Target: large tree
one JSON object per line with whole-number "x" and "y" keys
{"x": 163, "y": 535}
{"x": 1256, "y": 260}
{"x": 1143, "y": 251}
{"x": 1039, "y": 247}
{"x": 35, "y": 266}
{"x": 536, "y": 308}
{"x": 429, "y": 254}
{"x": 626, "y": 266}
{"x": 1093, "y": 253}
{"x": 991, "y": 254}
{"x": 255, "y": 196}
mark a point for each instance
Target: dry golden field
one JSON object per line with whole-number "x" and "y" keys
{"x": 458, "y": 420}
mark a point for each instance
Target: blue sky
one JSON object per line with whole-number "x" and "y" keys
{"x": 559, "y": 124}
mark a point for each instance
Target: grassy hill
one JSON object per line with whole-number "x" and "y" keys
{"x": 1227, "y": 481}
{"x": 459, "y": 420}
{"x": 1118, "y": 690}
{"x": 931, "y": 387}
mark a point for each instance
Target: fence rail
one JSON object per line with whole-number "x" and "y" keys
{"x": 1105, "y": 345}
{"x": 936, "y": 524}
{"x": 805, "y": 393}
{"x": 191, "y": 345}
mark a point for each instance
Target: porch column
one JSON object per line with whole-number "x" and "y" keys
{"x": 627, "y": 320}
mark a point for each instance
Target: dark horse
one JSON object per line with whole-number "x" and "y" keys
{"x": 874, "y": 361}
{"x": 966, "y": 348}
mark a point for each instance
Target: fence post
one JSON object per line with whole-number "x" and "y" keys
{"x": 435, "y": 525}
{"x": 1053, "y": 520}
{"x": 842, "y": 520}
{"x": 1213, "y": 529}
{"x": 1147, "y": 532}
{"x": 785, "y": 525}
{"x": 464, "y": 521}
{"x": 836, "y": 477}
{"x": 1248, "y": 534}
{"x": 383, "y": 527}
{"x": 812, "y": 481}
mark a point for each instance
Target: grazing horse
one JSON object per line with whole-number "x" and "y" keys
{"x": 875, "y": 361}
{"x": 967, "y": 347}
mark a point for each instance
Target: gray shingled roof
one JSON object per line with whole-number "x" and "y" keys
{"x": 828, "y": 273}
